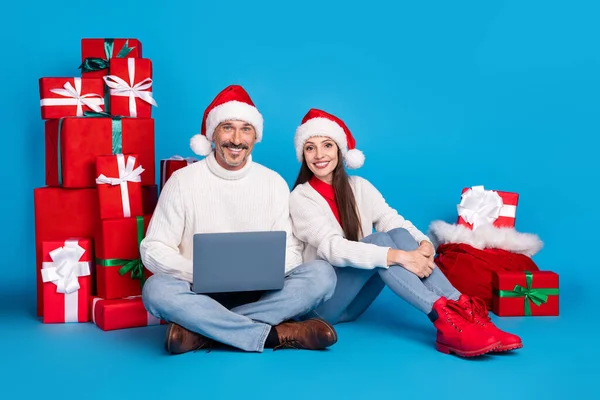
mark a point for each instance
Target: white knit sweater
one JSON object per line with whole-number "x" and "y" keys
{"x": 315, "y": 224}
{"x": 204, "y": 197}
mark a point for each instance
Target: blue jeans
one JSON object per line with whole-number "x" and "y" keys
{"x": 244, "y": 326}
{"x": 357, "y": 288}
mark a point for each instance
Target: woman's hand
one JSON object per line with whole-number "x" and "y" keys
{"x": 414, "y": 261}
{"x": 426, "y": 248}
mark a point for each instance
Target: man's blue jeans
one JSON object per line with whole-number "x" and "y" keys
{"x": 244, "y": 326}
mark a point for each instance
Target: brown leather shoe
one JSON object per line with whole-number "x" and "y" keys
{"x": 312, "y": 334}
{"x": 180, "y": 340}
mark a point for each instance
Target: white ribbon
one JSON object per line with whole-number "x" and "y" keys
{"x": 64, "y": 271}
{"x": 74, "y": 98}
{"x": 126, "y": 174}
{"x": 121, "y": 88}
{"x": 480, "y": 207}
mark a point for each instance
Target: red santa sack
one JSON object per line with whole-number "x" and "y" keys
{"x": 470, "y": 258}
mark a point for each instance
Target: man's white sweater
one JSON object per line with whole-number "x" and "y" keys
{"x": 315, "y": 224}
{"x": 204, "y": 197}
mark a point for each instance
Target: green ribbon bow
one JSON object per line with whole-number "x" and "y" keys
{"x": 97, "y": 63}
{"x": 536, "y": 296}
{"x": 117, "y": 136}
{"x": 135, "y": 266}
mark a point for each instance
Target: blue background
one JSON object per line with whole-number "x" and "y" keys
{"x": 439, "y": 95}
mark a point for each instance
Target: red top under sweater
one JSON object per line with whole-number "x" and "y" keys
{"x": 328, "y": 193}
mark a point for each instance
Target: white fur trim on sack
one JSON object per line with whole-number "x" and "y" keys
{"x": 234, "y": 110}
{"x": 483, "y": 237}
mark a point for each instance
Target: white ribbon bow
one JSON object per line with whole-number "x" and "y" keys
{"x": 480, "y": 207}
{"x": 121, "y": 88}
{"x": 74, "y": 97}
{"x": 126, "y": 174}
{"x": 65, "y": 267}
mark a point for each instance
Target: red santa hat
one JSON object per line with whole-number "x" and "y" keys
{"x": 320, "y": 123}
{"x": 233, "y": 103}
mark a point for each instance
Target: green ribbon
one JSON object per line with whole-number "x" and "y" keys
{"x": 536, "y": 296}
{"x": 135, "y": 266}
{"x": 97, "y": 63}
{"x": 116, "y": 136}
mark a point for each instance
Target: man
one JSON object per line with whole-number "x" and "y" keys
{"x": 227, "y": 192}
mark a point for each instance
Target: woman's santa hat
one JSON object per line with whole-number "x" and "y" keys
{"x": 233, "y": 103}
{"x": 320, "y": 123}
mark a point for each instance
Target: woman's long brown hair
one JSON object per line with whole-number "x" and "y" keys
{"x": 344, "y": 197}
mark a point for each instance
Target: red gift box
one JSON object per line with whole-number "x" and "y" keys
{"x": 97, "y": 54}
{"x": 62, "y": 213}
{"x": 71, "y": 153}
{"x": 130, "y": 83}
{"x": 66, "y": 273}
{"x": 70, "y": 97}
{"x": 149, "y": 199}
{"x": 525, "y": 293}
{"x": 172, "y": 164}
{"x": 119, "y": 186}
{"x": 478, "y": 204}
{"x": 124, "y": 313}
{"x": 59, "y": 214}
{"x": 119, "y": 270}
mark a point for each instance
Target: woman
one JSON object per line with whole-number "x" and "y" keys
{"x": 334, "y": 215}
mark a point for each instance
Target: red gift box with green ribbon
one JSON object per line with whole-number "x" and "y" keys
{"x": 119, "y": 269}
{"x": 97, "y": 54}
{"x": 73, "y": 143}
{"x": 525, "y": 293}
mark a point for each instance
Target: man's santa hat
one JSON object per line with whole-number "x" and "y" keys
{"x": 480, "y": 211}
{"x": 320, "y": 123}
{"x": 233, "y": 103}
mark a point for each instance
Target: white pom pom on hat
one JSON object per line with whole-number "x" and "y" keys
{"x": 232, "y": 103}
{"x": 320, "y": 123}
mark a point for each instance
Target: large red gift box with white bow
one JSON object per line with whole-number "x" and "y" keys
{"x": 66, "y": 273}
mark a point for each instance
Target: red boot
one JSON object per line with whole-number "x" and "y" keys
{"x": 457, "y": 333}
{"x": 476, "y": 307}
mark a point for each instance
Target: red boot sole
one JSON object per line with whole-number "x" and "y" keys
{"x": 473, "y": 353}
{"x": 509, "y": 347}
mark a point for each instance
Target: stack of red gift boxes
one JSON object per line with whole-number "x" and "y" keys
{"x": 100, "y": 188}
{"x": 516, "y": 293}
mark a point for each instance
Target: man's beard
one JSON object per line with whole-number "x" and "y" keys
{"x": 229, "y": 145}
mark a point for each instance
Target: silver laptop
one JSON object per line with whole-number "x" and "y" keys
{"x": 238, "y": 261}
